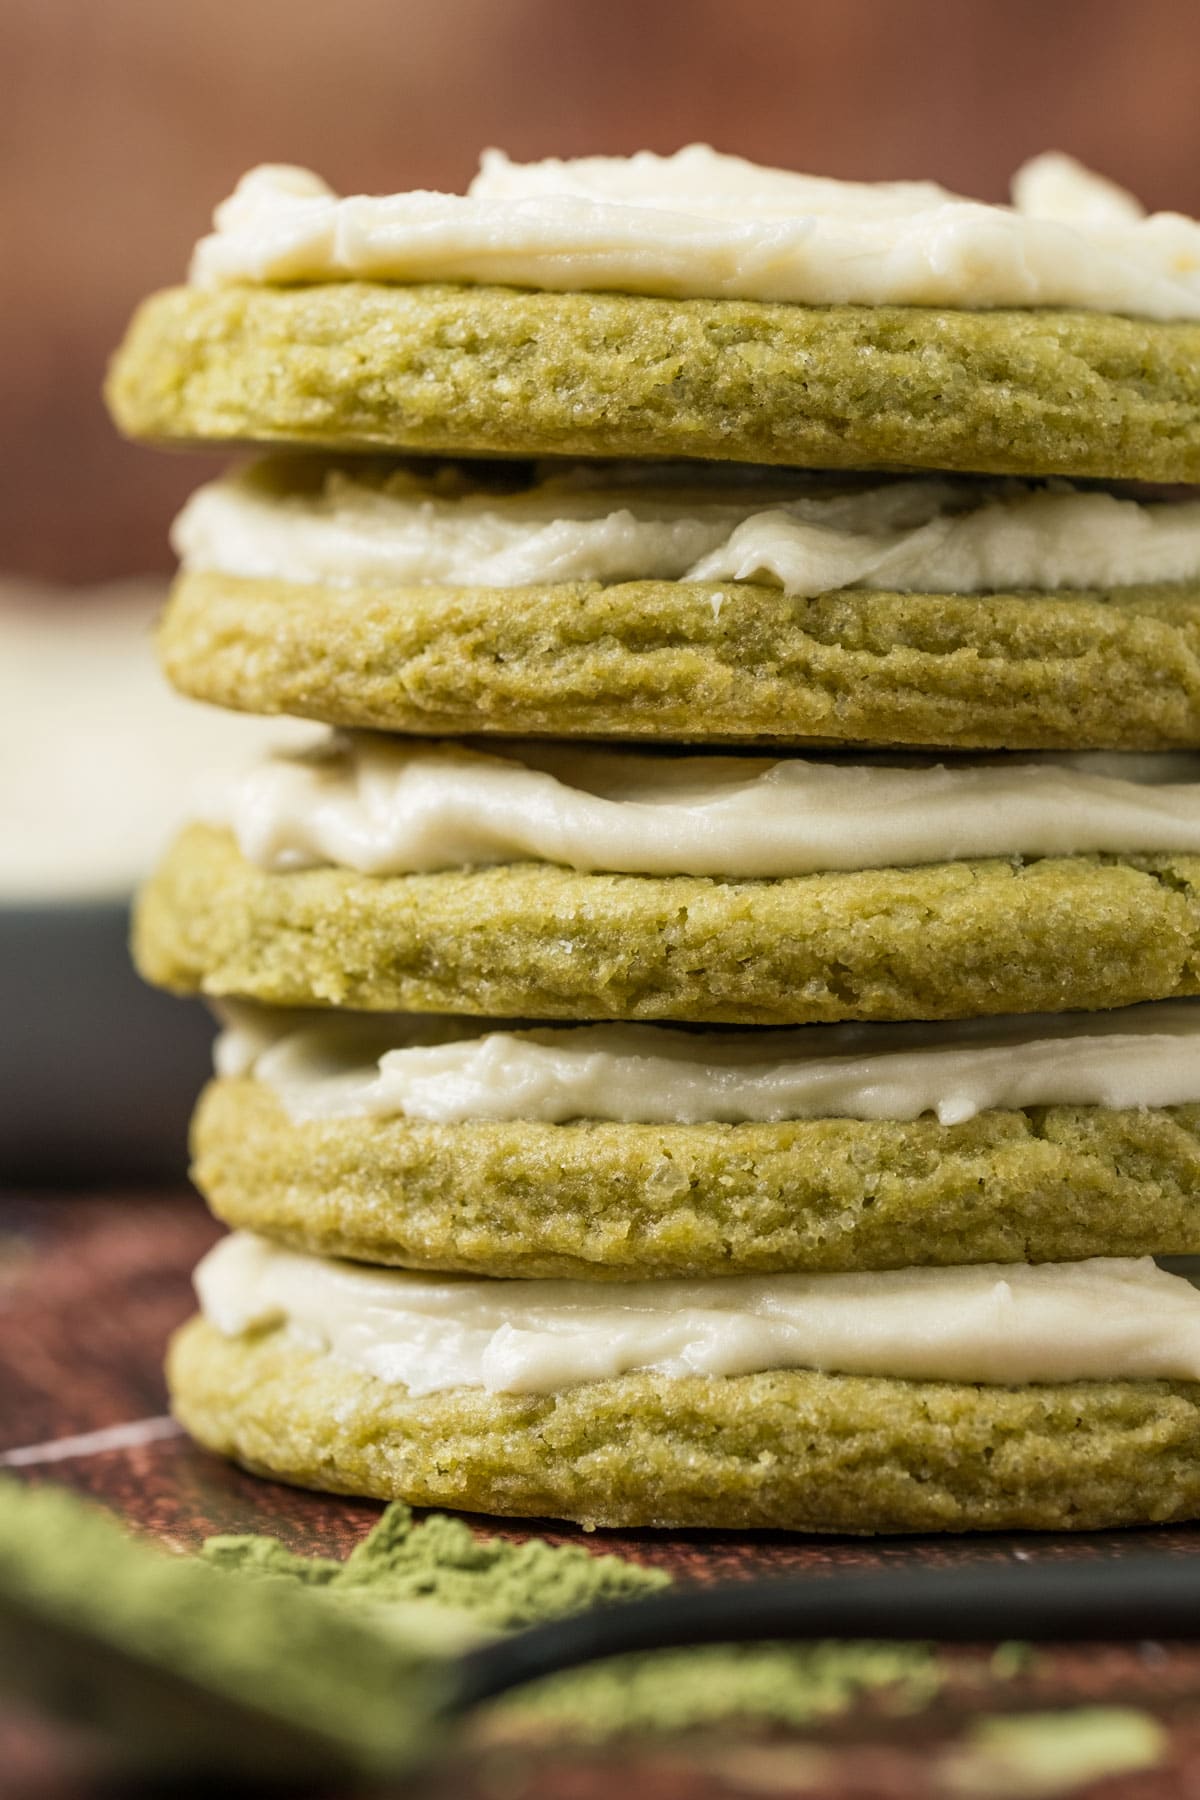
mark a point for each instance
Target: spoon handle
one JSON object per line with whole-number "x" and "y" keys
{"x": 1083, "y": 1600}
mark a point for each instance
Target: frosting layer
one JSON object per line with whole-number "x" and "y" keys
{"x": 391, "y": 807}
{"x": 698, "y": 224}
{"x": 448, "y": 1073}
{"x": 935, "y": 536}
{"x": 1003, "y": 1324}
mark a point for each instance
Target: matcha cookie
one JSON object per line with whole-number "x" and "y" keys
{"x": 598, "y": 1199}
{"x": 948, "y": 940}
{"x": 793, "y": 1450}
{"x": 701, "y": 662}
{"x": 361, "y": 365}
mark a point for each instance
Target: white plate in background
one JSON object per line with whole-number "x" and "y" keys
{"x": 99, "y": 764}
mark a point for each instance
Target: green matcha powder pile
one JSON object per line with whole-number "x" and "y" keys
{"x": 350, "y": 1659}
{"x": 437, "y": 1583}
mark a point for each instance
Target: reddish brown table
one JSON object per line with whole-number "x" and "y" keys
{"x": 90, "y": 1286}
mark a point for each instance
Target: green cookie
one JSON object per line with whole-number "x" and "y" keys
{"x": 950, "y": 940}
{"x": 700, "y": 662}
{"x": 361, "y": 365}
{"x": 600, "y": 1199}
{"x": 795, "y": 1451}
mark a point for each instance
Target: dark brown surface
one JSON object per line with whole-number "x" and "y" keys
{"x": 89, "y": 1289}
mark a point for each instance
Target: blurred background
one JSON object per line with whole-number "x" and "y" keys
{"x": 125, "y": 121}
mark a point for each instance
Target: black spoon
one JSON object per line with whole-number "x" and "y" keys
{"x": 1137, "y": 1598}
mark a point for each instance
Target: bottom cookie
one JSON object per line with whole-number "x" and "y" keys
{"x": 789, "y": 1450}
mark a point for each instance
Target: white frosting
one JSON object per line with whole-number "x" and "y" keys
{"x": 934, "y": 536}
{"x": 701, "y": 224}
{"x": 1007, "y": 1324}
{"x": 450, "y": 1072}
{"x": 100, "y": 761}
{"x": 390, "y": 806}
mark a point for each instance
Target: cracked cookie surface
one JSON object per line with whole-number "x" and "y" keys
{"x": 950, "y": 940}
{"x": 700, "y": 662}
{"x": 791, "y": 1450}
{"x": 601, "y": 1199}
{"x": 367, "y": 366}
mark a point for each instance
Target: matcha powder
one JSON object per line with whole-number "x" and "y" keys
{"x": 437, "y": 1574}
{"x": 498, "y": 1585}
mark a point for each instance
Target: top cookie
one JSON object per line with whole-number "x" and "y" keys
{"x": 497, "y": 371}
{"x": 715, "y": 311}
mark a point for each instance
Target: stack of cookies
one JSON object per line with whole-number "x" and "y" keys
{"x": 707, "y": 1031}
